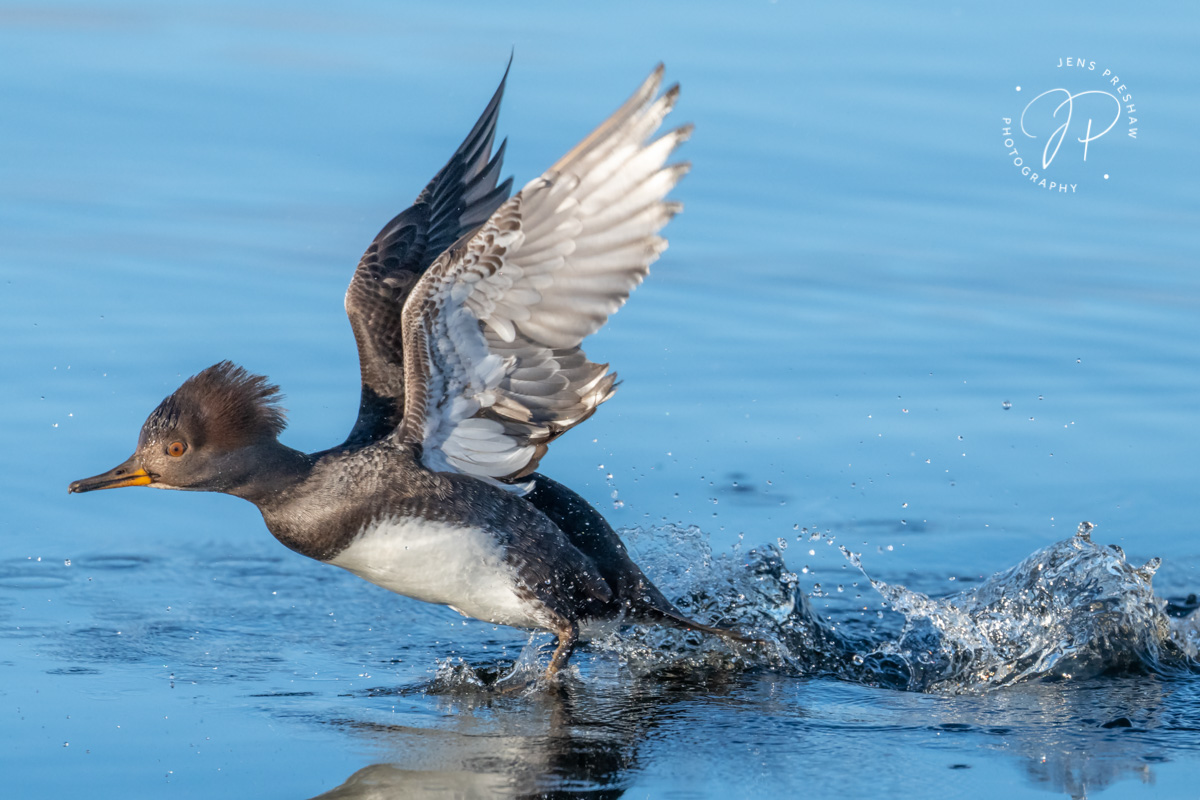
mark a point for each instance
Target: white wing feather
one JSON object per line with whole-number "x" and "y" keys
{"x": 492, "y": 331}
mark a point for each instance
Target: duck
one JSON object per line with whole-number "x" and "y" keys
{"x": 468, "y": 310}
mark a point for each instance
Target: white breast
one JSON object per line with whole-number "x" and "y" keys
{"x": 443, "y": 563}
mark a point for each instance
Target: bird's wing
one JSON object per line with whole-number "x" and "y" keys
{"x": 493, "y": 370}
{"x": 460, "y": 198}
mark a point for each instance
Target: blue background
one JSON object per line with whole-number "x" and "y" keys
{"x": 860, "y": 283}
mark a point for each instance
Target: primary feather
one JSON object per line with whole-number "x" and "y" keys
{"x": 460, "y": 198}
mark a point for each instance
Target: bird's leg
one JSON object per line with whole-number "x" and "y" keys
{"x": 562, "y": 653}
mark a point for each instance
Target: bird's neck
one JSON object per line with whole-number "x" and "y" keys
{"x": 271, "y": 472}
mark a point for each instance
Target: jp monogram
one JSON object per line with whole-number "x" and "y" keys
{"x": 1080, "y": 116}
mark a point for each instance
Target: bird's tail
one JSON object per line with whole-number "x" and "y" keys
{"x": 675, "y": 618}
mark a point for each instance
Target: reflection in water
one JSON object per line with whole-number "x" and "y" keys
{"x": 594, "y": 737}
{"x": 1071, "y": 739}
{"x": 581, "y": 735}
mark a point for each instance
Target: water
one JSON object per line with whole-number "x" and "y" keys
{"x": 873, "y": 340}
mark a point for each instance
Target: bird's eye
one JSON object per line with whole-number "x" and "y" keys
{"x": 176, "y": 449}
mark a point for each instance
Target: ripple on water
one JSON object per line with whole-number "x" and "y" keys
{"x": 73, "y": 671}
{"x": 116, "y": 562}
{"x": 237, "y": 571}
{"x": 30, "y": 573}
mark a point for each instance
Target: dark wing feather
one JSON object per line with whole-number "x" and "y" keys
{"x": 460, "y": 198}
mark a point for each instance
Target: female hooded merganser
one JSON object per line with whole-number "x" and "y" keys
{"x": 468, "y": 309}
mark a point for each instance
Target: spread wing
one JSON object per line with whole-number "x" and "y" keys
{"x": 459, "y": 199}
{"x": 493, "y": 370}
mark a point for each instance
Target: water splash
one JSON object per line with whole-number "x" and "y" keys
{"x": 455, "y": 676}
{"x": 752, "y": 591}
{"x": 1073, "y": 610}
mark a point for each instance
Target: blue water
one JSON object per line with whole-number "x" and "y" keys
{"x": 871, "y": 331}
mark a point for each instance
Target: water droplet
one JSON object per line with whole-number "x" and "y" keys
{"x": 1006, "y": 405}
{"x": 782, "y": 543}
{"x": 67, "y": 562}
